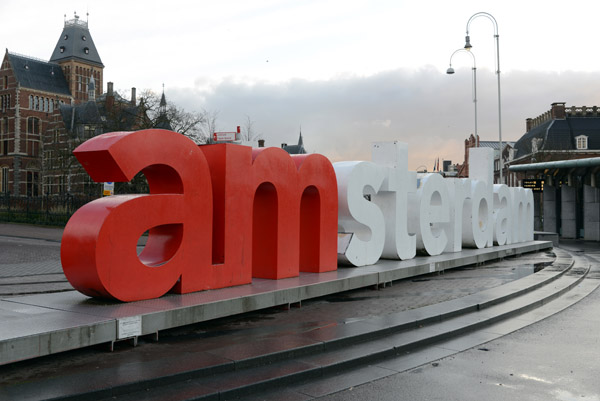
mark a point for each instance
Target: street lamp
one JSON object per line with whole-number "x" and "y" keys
{"x": 450, "y": 71}
{"x": 468, "y": 47}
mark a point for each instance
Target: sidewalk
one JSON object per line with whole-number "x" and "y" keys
{"x": 340, "y": 310}
{"x": 30, "y": 231}
{"x": 30, "y": 260}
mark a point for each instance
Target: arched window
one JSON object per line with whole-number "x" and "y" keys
{"x": 30, "y": 102}
{"x": 582, "y": 142}
{"x": 36, "y": 103}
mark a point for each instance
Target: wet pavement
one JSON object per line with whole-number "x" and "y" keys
{"x": 555, "y": 359}
{"x": 30, "y": 263}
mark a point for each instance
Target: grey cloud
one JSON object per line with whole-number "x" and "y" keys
{"x": 427, "y": 109}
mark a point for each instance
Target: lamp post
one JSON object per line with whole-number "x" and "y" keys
{"x": 468, "y": 47}
{"x": 450, "y": 70}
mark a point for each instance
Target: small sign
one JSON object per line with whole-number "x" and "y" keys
{"x": 128, "y": 327}
{"x": 224, "y": 136}
{"x": 109, "y": 189}
{"x": 536, "y": 185}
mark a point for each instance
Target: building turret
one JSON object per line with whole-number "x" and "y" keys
{"x": 76, "y": 53}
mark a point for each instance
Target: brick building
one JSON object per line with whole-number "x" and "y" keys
{"x": 508, "y": 153}
{"x": 47, "y": 108}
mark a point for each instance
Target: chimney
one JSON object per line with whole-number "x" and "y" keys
{"x": 133, "y": 101}
{"x": 528, "y": 124}
{"x": 283, "y": 145}
{"x": 261, "y": 143}
{"x": 110, "y": 96}
{"x": 558, "y": 111}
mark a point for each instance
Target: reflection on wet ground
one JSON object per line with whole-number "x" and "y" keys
{"x": 354, "y": 305}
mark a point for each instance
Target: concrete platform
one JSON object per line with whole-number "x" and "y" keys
{"x": 44, "y": 324}
{"x": 546, "y": 236}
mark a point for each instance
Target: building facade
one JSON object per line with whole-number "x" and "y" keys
{"x": 508, "y": 154}
{"x": 560, "y": 154}
{"x": 47, "y": 108}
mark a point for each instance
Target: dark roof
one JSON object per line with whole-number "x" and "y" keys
{"x": 85, "y": 113}
{"x": 76, "y": 42}
{"x": 523, "y": 145}
{"x": 163, "y": 122}
{"x": 39, "y": 75}
{"x": 295, "y": 149}
{"x": 589, "y": 126}
{"x": 561, "y": 134}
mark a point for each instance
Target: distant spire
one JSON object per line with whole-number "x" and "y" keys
{"x": 300, "y": 142}
{"x": 163, "y": 103}
{"x": 162, "y": 120}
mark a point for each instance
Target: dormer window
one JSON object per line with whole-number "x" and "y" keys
{"x": 65, "y": 37}
{"x": 86, "y": 50}
{"x": 582, "y": 142}
{"x": 62, "y": 49}
{"x": 83, "y": 37}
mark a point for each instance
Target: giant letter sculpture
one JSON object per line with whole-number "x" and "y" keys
{"x": 216, "y": 215}
{"x": 98, "y": 250}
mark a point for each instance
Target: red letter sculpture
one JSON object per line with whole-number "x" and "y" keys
{"x": 217, "y": 216}
{"x": 294, "y": 214}
{"x": 98, "y": 250}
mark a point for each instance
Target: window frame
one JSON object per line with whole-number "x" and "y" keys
{"x": 581, "y": 142}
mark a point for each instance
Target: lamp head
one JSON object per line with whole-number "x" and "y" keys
{"x": 468, "y": 42}
{"x": 450, "y": 71}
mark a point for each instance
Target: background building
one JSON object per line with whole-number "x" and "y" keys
{"x": 47, "y": 108}
{"x": 508, "y": 153}
{"x": 559, "y": 156}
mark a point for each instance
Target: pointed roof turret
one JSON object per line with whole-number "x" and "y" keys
{"x": 296, "y": 149}
{"x": 76, "y": 43}
{"x": 162, "y": 120}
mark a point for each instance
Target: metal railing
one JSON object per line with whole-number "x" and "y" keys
{"x": 46, "y": 210}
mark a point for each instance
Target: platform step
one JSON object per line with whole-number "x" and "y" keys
{"x": 234, "y": 370}
{"x": 337, "y": 357}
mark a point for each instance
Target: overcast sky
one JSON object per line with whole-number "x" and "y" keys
{"x": 349, "y": 72}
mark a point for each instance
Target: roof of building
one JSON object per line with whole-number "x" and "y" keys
{"x": 85, "y": 113}
{"x": 296, "y": 149}
{"x": 40, "y": 75}
{"x": 495, "y": 144}
{"x": 76, "y": 42}
{"x": 560, "y": 134}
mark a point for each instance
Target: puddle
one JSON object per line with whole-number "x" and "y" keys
{"x": 540, "y": 266}
{"x": 522, "y": 271}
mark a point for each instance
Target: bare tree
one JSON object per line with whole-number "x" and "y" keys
{"x": 209, "y": 124}
{"x": 249, "y": 131}
{"x": 187, "y": 123}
